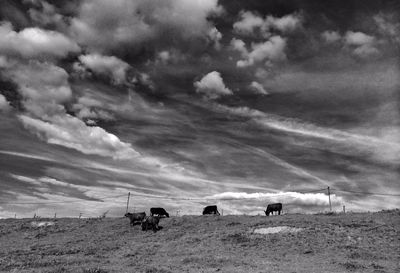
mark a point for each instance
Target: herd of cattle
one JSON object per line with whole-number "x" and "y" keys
{"x": 151, "y": 222}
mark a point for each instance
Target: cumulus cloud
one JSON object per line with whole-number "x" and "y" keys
{"x": 71, "y": 132}
{"x": 108, "y": 66}
{"x": 90, "y": 110}
{"x": 128, "y": 23}
{"x": 43, "y": 86}
{"x": 258, "y": 88}
{"x": 34, "y": 42}
{"x": 357, "y": 38}
{"x": 331, "y": 36}
{"x": 271, "y": 50}
{"x": 286, "y": 23}
{"x": 388, "y": 25}
{"x": 4, "y": 104}
{"x": 251, "y": 24}
{"x": 362, "y": 43}
{"x": 215, "y": 36}
{"x": 45, "y": 14}
{"x": 248, "y": 23}
{"x": 212, "y": 86}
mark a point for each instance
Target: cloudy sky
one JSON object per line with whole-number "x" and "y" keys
{"x": 188, "y": 103}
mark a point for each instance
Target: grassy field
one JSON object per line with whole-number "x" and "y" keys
{"x": 352, "y": 242}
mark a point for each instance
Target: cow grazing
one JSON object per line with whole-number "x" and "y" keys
{"x": 150, "y": 222}
{"x": 158, "y": 212}
{"x": 135, "y": 217}
{"x": 210, "y": 210}
{"x": 273, "y": 207}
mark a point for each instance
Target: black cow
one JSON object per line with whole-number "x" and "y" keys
{"x": 159, "y": 212}
{"x": 273, "y": 207}
{"x": 135, "y": 217}
{"x": 210, "y": 210}
{"x": 150, "y": 222}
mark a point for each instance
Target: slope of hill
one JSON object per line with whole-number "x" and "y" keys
{"x": 353, "y": 242}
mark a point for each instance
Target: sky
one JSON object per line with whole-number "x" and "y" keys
{"x": 192, "y": 103}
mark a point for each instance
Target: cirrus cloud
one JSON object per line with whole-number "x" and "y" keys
{"x": 71, "y": 132}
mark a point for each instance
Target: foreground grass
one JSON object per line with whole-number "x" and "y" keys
{"x": 365, "y": 242}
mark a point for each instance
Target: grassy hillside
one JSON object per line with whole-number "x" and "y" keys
{"x": 362, "y": 242}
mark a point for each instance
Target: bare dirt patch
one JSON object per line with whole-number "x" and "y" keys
{"x": 278, "y": 229}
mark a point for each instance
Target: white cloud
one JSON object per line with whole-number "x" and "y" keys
{"x": 357, "y": 38}
{"x": 73, "y": 133}
{"x": 215, "y": 36}
{"x": 251, "y": 24}
{"x": 43, "y": 86}
{"x": 128, "y": 23}
{"x": 106, "y": 66}
{"x": 4, "y": 104}
{"x": 271, "y": 50}
{"x": 286, "y": 23}
{"x": 34, "y": 42}
{"x": 258, "y": 88}
{"x": 366, "y": 51}
{"x": 388, "y": 25}
{"x": 248, "y": 23}
{"x": 212, "y": 86}
{"x": 331, "y": 36}
{"x": 363, "y": 45}
{"x": 240, "y": 46}
{"x": 292, "y": 198}
{"x": 46, "y": 14}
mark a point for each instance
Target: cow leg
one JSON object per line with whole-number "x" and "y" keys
{"x": 279, "y": 212}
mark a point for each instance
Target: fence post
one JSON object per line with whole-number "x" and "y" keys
{"x": 127, "y": 202}
{"x": 344, "y": 209}
{"x": 329, "y": 196}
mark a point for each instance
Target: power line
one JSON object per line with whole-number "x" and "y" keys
{"x": 59, "y": 202}
{"x": 367, "y": 193}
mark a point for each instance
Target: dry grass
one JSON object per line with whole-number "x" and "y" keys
{"x": 366, "y": 242}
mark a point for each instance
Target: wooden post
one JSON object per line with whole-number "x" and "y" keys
{"x": 55, "y": 215}
{"x": 344, "y": 209}
{"x": 127, "y": 202}
{"x": 329, "y": 196}
{"x": 15, "y": 216}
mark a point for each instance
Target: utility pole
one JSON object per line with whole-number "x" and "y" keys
{"x": 329, "y": 195}
{"x": 127, "y": 202}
